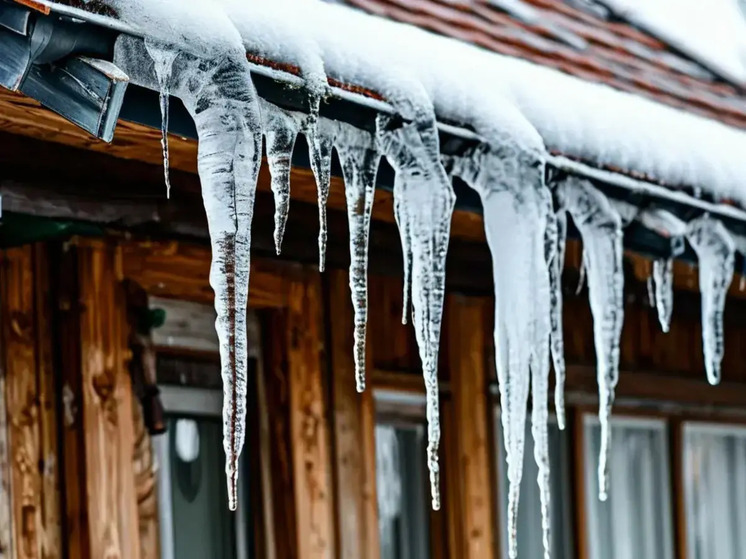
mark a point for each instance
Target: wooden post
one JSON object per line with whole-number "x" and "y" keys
{"x": 308, "y": 420}
{"x": 31, "y": 405}
{"x": 354, "y": 431}
{"x": 99, "y": 436}
{"x": 467, "y": 359}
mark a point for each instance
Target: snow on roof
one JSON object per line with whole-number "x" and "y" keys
{"x": 712, "y": 32}
{"x": 466, "y": 84}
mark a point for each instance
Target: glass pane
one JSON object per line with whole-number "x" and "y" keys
{"x": 529, "y": 509}
{"x": 202, "y": 524}
{"x": 401, "y": 484}
{"x": 635, "y": 521}
{"x": 715, "y": 490}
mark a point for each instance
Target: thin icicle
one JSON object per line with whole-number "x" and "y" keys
{"x": 360, "y": 161}
{"x": 581, "y": 276}
{"x": 406, "y": 244}
{"x": 716, "y": 252}
{"x": 556, "y": 237}
{"x": 424, "y": 201}
{"x": 163, "y": 61}
{"x": 281, "y": 129}
{"x": 321, "y": 145}
{"x": 600, "y": 226}
{"x": 663, "y": 282}
{"x": 510, "y": 182}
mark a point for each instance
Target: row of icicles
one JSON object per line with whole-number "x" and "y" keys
{"x": 526, "y": 227}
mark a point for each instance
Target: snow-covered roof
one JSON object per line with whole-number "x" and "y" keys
{"x": 466, "y": 84}
{"x": 713, "y": 32}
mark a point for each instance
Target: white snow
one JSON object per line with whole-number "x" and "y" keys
{"x": 712, "y": 31}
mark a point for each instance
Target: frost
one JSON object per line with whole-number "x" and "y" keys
{"x": 360, "y": 159}
{"x": 600, "y": 226}
{"x": 424, "y": 201}
{"x": 716, "y": 252}
{"x": 663, "y": 283}
{"x": 163, "y": 61}
{"x": 281, "y": 130}
{"x": 510, "y": 181}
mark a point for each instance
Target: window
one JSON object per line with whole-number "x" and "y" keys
{"x": 635, "y": 521}
{"x": 402, "y": 482}
{"x": 194, "y": 517}
{"x": 529, "y": 509}
{"x": 715, "y": 491}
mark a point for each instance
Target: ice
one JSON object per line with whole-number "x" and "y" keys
{"x": 222, "y": 100}
{"x": 600, "y": 227}
{"x": 716, "y": 253}
{"x": 555, "y": 254}
{"x": 281, "y": 129}
{"x": 663, "y": 283}
{"x": 510, "y": 182}
{"x": 424, "y": 201}
{"x": 360, "y": 158}
{"x": 321, "y": 144}
{"x": 163, "y": 61}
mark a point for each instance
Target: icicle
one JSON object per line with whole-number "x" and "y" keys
{"x": 221, "y": 98}
{"x": 163, "y": 61}
{"x": 360, "y": 161}
{"x": 663, "y": 282}
{"x": 555, "y": 253}
{"x": 601, "y": 229}
{"x": 281, "y": 130}
{"x": 581, "y": 277}
{"x": 424, "y": 201}
{"x": 321, "y": 144}
{"x": 510, "y": 181}
{"x": 406, "y": 244}
{"x": 716, "y": 252}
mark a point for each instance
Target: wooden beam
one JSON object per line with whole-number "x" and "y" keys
{"x": 308, "y": 421}
{"x": 22, "y": 401}
{"x": 467, "y": 327}
{"x": 354, "y": 428}
{"x": 102, "y": 510}
{"x": 31, "y": 404}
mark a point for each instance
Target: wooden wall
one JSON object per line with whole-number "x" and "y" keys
{"x": 76, "y": 472}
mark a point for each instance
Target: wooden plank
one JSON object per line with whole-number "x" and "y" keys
{"x": 353, "y": 428}
{"x": 308, "y": 421}
{"x": 47, "y": 388}
{"x": 101, "y": 500}
{"x": 6, "y": 513}
{"x": 181, "y": 270}
{"x": 276, "y": 440}
{"x": 467, "y": 361}
{"x": 145, "y": 488}
{"x": 22, "y": 400}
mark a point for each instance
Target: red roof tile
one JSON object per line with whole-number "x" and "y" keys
{"x": 606, "y": 50}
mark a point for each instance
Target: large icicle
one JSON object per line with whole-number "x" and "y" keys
{"x": 360, "y": 159}
{"x": 220, "y": 97}
{"x": 663, "y": 281}
{"x": 163, "y": 61}
{"x": 600, "y": 226}
{"x": 281, "y": 130}
{"x": 555, "y": 254}
{"x": 424, "y": 201}
{"x": 510, "y": 181}
{"x": 716, "y": 252}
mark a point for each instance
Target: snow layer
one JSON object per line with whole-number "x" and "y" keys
{"x": 712, "y": 32}
{"x": 579, "y": 118}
